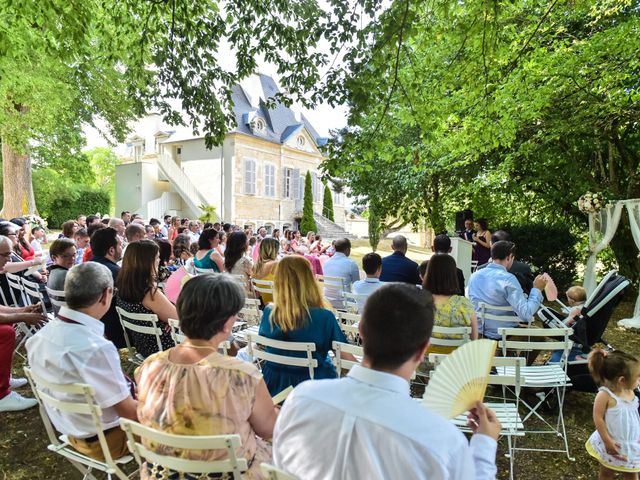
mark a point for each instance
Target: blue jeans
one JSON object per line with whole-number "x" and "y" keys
{"x": 556, "y": 356}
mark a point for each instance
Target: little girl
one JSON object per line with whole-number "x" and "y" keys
{"x": 616, "y": 441}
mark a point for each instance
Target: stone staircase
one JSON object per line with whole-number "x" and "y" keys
{"x": 330, "y": 230}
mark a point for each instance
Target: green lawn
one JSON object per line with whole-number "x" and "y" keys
{"x": 359, "y": 248}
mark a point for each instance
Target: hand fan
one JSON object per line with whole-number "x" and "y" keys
{"x": 461, "y": 379}
{"x": 550, "y": 290}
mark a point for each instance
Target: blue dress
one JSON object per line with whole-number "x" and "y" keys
{"x": 320, "y": 328}
{"x": 206, "y": 262}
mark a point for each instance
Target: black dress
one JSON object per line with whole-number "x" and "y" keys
{"x": 145, "y": 344}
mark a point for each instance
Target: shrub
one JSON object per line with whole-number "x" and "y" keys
{"x": 327, "y": 204}
{"x": 308, "y": 223}
{"x": 374, "y": 229}
{"x": 547, "y": 248}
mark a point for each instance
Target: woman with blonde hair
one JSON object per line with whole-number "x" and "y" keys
{"x": 173, "y": 228}
{"x": 265, "y": 266}
{"x": 299, "y": 314}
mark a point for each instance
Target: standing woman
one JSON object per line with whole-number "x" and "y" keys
{"x": 207, "y": 257}
{"x": 173, "y": 229}
{"x": 235, "y": 260}
{"x": 138, "y": 293}
{"x": 300, "y": 313}
{"x": 482, "y": 238}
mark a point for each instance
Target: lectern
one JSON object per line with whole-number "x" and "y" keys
{"x": 461, "y": 250}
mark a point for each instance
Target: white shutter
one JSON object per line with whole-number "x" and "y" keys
{"x": 249, "y": 176}
{"x": 269, "y": 180}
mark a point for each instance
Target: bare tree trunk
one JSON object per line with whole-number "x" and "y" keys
{"x": 18, "y": 196}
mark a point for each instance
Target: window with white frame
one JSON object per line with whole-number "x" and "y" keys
{"x": 249, "y": 178}
{"x": 269, "y": 180}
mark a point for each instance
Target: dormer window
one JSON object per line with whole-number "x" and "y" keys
{"x": 259, "y": 126}
{"x": 301, "y": 141}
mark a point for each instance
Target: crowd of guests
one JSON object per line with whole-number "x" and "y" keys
{"x": 193, "y": 389}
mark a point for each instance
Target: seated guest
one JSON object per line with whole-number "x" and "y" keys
{"x": 397, "y": 267}
{"x": 81, "y": 221}
{"x": 23, "y": 247}
{"x": 494, "y": 285}
{"x": 119, "y": 225}
{"x": 376, "y": 429}
{"x": 39, "y": 239}
{"x": 157, "y": 228}
{"x": 340, "y": 266}
{"x": 69, "y": 228}
{"x": 192, "y": 389}
{"x": 133, "y": 233}
{"x": 452, "y": 309}
{"x": 164, "y": 251}
{"x": 299, "y": 314}
{"x": 235, "y": 260}
{"x": 87, "y": 256}
{"x": 181, "y": 250}
{"x": 266, "y": 264}
{"x": 138, "y": 293}
{"x": 16, "y": 264}
{"x": 74, "y": 350}
{"x": 372, "y": 266}
{"x": 11, "y": 401}
{"x": 442, "y": 246}
{"x": 106, "y": 247}
{"x": 81, "y": 238}
{"x": 576, "y": 298}
{"x": 63, "y": 255}
{"x": 208, "y": 257}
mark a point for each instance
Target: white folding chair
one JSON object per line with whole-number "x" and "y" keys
{"x": 506, "y": 315}
{"x": 474, "y": 265}
{"x": 509, "y": 375}
{"x": 550, "y": 380}
{"x": 334, "y": 290}
{"x": 179, "y": 337}
{"x": 176, "y": 463}
{"x": 34, "y": 296}
{"x": 256, "y": 350}
{"x": 348, "y": 318}
{"x": 251, "y": 313}
{"x": 205, "y": 271}
{"x": 354, "y": 302}
{"x": 273, "y": 473}
{"x": 453, "y": 336}
{"x": 16, "y": 290}
{"x": 150, "y": 327}
{"x": 262, "y": 286}
{"x": 351, "y": 332}
{"x": 342, "y": 364}
{"x": 20, "y": 298}
{"x": 83, "y": 403}
{"x": 57, "y": 298}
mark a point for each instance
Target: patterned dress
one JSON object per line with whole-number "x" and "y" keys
{"x": 456, "y": 312}
{"x": 212, "y": 397}
{"x": 145, "y": 344}
{"x": 623, "y": 424}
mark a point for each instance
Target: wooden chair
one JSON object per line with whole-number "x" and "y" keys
{"x": 257, "y": 345}
{"x": 83, "y": 403}
{"x": 150, "y": 328}
{"x": 137, "y": 433}
{"x": 342, "y": 364}
{"x": 273, "y": 473}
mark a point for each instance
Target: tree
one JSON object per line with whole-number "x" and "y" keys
{"x": 116, "y": 59}
{"x": 327, "y": 203}
{"x": 374, "y": 228}
{"x": 308, "y": 223}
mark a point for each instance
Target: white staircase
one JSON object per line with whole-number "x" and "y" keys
{"x": 181, "y": 183}
{"x": 330, "y": 230}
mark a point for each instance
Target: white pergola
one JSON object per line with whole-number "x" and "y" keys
{"x": 602, "y": 228}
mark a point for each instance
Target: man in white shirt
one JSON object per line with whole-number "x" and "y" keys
{"x": 340, "y": 266}
{"x": 194, "y": 231}
{"x": 366, "y": 425}
{"x": 372, "y": 266}
{"x": 72, "y": 349}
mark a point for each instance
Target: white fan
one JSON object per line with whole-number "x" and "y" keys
{"x": 461, "y": 379}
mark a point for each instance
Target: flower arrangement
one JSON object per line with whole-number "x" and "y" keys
{"x": 591, "y": 202}
{"x": 36, "y": 221}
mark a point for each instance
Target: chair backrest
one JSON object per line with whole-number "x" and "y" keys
{"x": 334, "y": 289}
{"x": 457, "y": 336}
{"x": 487, "y": 312}
{"x": 339, "y": 362}
{"x": 56, "y": 297}
{"x": 354, "y": 302}
{"x": 273, "y": 473}
{"x": 179, "y": 337}
{"x": 137, "y": 433}
{"x": 348, "y": 318}
{"x": 205, "y": 271}
{"x": 351, "y": 332}
{"x": 536, "y": 339}
{"x": 251, "y": 313}
{"x": 150, "y": 328}
{"x": 32, "y": 293}
{"x": 257, "y": 343}
{"x": 16, "y": 289}
{"x": 262, "y": 286}
{"x": 84, "y": 403}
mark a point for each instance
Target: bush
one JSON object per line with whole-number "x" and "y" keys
{"x": 327, "y": 204}
{"x": 59, "y": 201}
{"x": 547, "y": 248}
{"x": 374, "y": 229}
{"x": 308, "y": 223}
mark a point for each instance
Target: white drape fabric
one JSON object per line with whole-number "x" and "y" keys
{"x": 633, "y": 207}
{"x": 602, "y": 227}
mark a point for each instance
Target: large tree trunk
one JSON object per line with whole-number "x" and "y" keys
{"x": 18, "y": 196}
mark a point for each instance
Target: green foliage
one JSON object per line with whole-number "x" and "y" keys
{"x": 308, "y": 223}
{"x": 209, "y": 214}
{"x": 374, "y": 229}
{"x": 549, "y": 248}
{"x": 327, "y": 203}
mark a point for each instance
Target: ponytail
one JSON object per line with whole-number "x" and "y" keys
{"x": 609, "y": 366}
{"x": 597, "y": 359}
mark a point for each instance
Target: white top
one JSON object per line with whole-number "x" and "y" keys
{"x": 366, "y": 425}
{"x": 66, "y": 353}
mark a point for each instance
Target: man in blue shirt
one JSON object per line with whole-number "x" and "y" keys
{"x": 372, "y": 266}
{"x": 340, "y": 266}
{"x": 494, "y": 285}
{"x": 397, "y": 267}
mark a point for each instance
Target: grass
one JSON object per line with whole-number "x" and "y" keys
{"x": 359, "y": 248}
{"x": 23, "y": 453}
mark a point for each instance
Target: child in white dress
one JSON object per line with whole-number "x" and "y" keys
{"x": 616, "y": 441}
